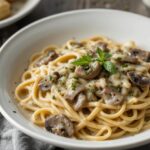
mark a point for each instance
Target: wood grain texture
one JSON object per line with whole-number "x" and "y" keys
{"x": 49, "y": 7}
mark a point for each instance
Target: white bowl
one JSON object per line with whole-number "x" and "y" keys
{"x": 57, "y": 29}
{"x": 23, "y": 8}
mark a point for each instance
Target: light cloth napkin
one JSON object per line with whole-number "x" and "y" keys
{"x": 13, "y": 139}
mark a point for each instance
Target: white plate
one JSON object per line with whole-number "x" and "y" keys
{"x": 57, "y": 29}
{"x": 19, "y": 10}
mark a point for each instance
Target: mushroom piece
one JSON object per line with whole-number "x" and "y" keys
{"x": 45, "y": 84}
{"x": 80, "y": 102}
{"x": 60, "y": 125}
{"x": 136, "y": 54}
{"x": 111, "y": 97}
{"x": 50, "y": 57}
{"x": 142, "y": 54}
{"x": 138, "y": 79}
{"x": 88, "y": 72}
{"x": 130, "y": 59}
{"x": 71, "y": 94}
{"x": 54, "y": 76}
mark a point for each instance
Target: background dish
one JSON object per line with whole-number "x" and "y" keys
{"x": 118, "y": 25}
{"x": 19, "y": 10}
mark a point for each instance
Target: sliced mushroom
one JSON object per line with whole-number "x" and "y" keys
{"x": 144, "y": 55}
{"x": 138, "y": 79}
{"x": 136, "y": 54}
{"x": 71, "y": 94}
{"x": 111, "y": 97}
{"x": 88, "y": 72}
{"x": 60, "y": 125}
{"x": 45, "y": 84}
{"x": 54, "y": 76}
{"x": 50, "y": 57}
{"x": 80, "y": 102}
{"x": 130, "y": 59}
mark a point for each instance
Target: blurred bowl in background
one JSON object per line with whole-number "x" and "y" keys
{"x": 146, "y": 2}
{"x": 19, "y": 10}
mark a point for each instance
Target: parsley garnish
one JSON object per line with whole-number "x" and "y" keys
{"x": 109, "y": 66}
{"x": 102, "y": 58}
{"x": 84, "y": 60}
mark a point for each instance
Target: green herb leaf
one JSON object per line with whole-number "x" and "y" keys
{"x": 102, "y": 56}
{"x": 110, "y": 67}
{"x": 84, "y": 60}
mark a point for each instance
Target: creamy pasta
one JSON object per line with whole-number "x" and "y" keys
{"x": 95, "y": 89}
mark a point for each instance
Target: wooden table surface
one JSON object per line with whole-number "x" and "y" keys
{"x": 49, "y": 7}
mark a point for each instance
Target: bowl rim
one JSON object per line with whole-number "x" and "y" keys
{"x": 19, "y": 15}
{"x": 66, "y": 142}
